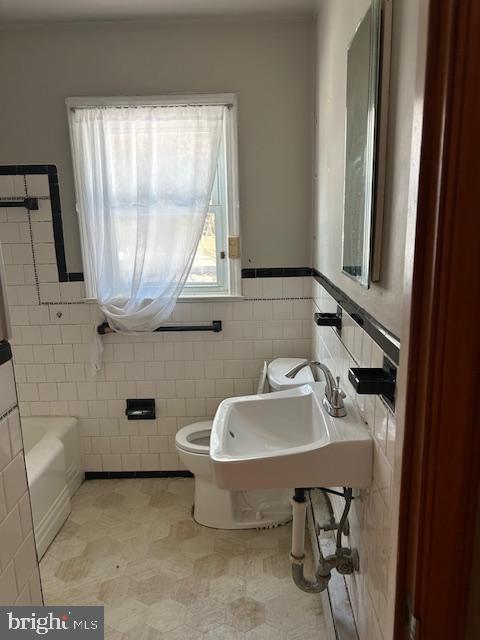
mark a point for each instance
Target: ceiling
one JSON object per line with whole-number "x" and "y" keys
{"x": 28, "y": 11}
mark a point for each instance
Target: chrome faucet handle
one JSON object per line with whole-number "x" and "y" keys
{"x": 333, "y": 399}
{"x": 336, "y": 398}
{"x": 339, "y": 389}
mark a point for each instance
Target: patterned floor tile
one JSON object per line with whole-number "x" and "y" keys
{"x": 132, "y": 546}
{"x": 225, "y": 632}
{"x": 205, "y": 614}
{"x": 166, "y": 615}
{"x": 245, "y": 614}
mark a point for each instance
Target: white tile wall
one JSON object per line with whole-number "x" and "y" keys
{"x": 371, "y": 517}
{"x": 19, "y": 576}
{"x": 188, "y": 374}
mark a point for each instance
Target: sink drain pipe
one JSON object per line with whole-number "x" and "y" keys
{"x": 344, "y": 560}
{"x": 297, "y": 556}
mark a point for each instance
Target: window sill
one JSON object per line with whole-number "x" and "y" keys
{"x": 210, "y": 298}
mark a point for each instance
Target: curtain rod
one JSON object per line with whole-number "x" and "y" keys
{"x": 154, "y": 106}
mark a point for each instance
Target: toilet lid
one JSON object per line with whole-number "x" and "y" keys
{"x": 194, "y": 437}
{"x": 280, "y": 366}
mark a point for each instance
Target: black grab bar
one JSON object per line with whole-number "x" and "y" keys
{"x": 29, "y": 203}
{"x": 215, "y": 326}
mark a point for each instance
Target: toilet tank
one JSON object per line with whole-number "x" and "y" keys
{"x": 276, "y": 370}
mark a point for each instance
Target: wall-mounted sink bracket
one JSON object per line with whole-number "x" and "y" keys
{"x": 344, "y": 560}
{"x": 379, "y": 381}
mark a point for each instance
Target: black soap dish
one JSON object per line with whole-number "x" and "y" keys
{"x": 373, "y": 381}
{"x": 140, "y": 409}
{"x": 328, "y": 320}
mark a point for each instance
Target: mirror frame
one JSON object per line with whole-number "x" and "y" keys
{"x": 370, "y": 182}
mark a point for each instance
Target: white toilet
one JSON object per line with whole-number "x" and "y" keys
{"x": 222, "y": 509}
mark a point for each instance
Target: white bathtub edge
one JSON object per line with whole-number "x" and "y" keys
{"x": 50, "y": 524}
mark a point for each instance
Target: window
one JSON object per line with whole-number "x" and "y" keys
{"x": 213, "y": 273}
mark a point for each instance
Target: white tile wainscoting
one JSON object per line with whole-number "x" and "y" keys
{"x": 19, "y": 576}
{"x": 371, "y": 517}
{"x": 187, "y": 373}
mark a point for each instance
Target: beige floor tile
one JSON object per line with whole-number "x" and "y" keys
{"x": 100, "y": 548}
{"x": 85, "y": 514}
{"x": 245, "y": 614}
{"x": 154, "y": 589}
{"x": 135, "y": 501}
{"x": 132, "y": 546}
{"x": 182, "y": 633}
{"x": 197, "y": 547}
{"x": 115, "y": 591}
{"x": 74, "y": 569}
{"x": 167, "y": 615}
{"x": 211, "y": 566}
{"x": 205, "y": 614}
{"x": 228, "y": 547}
{"x": 189, "y": 589}
{"x": 225, "y": 632}
{"x": 293, "y": 612}
{"x": 134, "y": 549}
{"x": 128, "y": 529}
{"x": 264, "y": 587}
{"x": 107, "y": 500}
{"x": 275, "y": 565}
{"x": 183, "y": 530}
{"x": 267, "y": 632}
{"x": 68, "y": 530}
{"x": 247, "y": 565}
{"x": 227, "y": 588}
{"x": 142, "y": 632}
{"x": 84, "y": 592}
{"x": 112, "y": 634}
{"x": 66, "y": 548}
{"x": 127, "y": 616}
{"x": 147, "y": 568}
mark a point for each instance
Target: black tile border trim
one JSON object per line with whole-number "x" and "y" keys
{"x": 111, "y": 475}
{"x": 277, "y": 272}
{"x": 5, "y": 351}
{"x": 386, "y": 340}
{"x": 49, "y": 170}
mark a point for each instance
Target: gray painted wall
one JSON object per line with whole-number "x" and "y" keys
{"x": 336, "y": 24}
{"x": 268, "y": 63}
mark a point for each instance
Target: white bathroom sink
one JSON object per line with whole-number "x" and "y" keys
{"x": 286, "y": 439}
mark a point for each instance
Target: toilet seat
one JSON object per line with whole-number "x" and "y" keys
{"x": 189, "y": 438}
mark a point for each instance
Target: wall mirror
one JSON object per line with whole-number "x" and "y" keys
{"x": 362, "y": 189}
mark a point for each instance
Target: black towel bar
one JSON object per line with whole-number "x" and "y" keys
{"x": 215, "y": 326}
{"x": 29, "y": 203}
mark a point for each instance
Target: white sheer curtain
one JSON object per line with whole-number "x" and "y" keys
{"x": 144, "y": 178}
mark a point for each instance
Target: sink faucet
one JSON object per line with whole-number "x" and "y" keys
{"x": 333, "y": 400}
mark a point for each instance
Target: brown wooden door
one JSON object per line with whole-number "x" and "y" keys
{"x": 440, "y": 475}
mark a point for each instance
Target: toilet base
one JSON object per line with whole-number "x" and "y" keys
{"x": 221, "y": 509}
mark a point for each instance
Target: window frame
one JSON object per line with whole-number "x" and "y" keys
{"x": 231, "y": 267}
